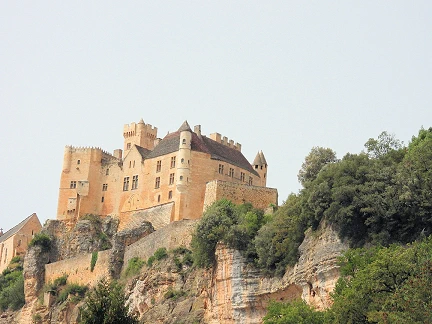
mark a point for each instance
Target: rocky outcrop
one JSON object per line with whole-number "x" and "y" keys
{"x": 34, "y": 271}
{"x": 89, "y": 234}
{"x": 169, "y": 293}
{"x": 240, "y": 294}
{"x": 123, "y": 239}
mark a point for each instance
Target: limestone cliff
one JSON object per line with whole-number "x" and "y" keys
{"x": 170, "y": 291}
{"x": 240, "y": 294}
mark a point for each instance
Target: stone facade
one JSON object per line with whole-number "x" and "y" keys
{"x": 15, "y": 241}
{"x": 151, "y": 172}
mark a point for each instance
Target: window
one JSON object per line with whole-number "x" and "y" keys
{"x": 133, "y": 166}
{"x": 158, "y": 198}
{"x": 134, "y": 182}
{"x": 171, "y": 180}
{"x": 173, "y": 158}
{"x": 128, "y": 146}
{"x": 105, "y": 187}
{"x": 221, "y": 167}
{"x": 250, "y": 181}
{"x": 182, "y": 161}
{"x": 107, "y": 172}
{"x": 242, "y": 176}
{"x": 170, "y": 194}
{"x": 157, "y": 182}
{"x": 184, "y": 141}
{"x": 126, "y": 184}
{"x": 130, "y": 164}
{"x": 79, "y": 162}
{"x": 231, "y": 172}
{"x": 73, "y": 184}
{"x": 158, "y": 166}
{"x": 181, "y": 178}
{"x": 102, "y": 200}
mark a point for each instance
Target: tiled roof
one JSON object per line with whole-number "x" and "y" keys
{"x": 170, "y": 144}
{"x": 227, "y": 154}
{"x": 143, "y": 151}
{"x": 15, "y": 229}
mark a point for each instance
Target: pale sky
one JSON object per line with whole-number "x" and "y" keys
{"x": 277, "y": 76}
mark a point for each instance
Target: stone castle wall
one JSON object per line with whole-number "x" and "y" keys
{"x": 260, "y": 197}
{"x": 174, "y": 235}
{"x": 78, "y": 269}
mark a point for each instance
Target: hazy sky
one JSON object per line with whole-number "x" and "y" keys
{"x": 277, "y": 76}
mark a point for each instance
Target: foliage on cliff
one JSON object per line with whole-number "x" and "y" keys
{"x": 377, "y": 285}
{"x": 12, "y": 286}
{"x": 225, "y": 222}
{"x": 106, "y": 303}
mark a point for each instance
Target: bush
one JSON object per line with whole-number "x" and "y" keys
{"x": 72, "y": 289}
{"x": 295, "y": 312}
{"x": 160, "y": 254}
{"x": 150, "y": 261}
{"x": 134, "y": 266}
{"x": 42, "y": 240}
{"x": 60, "y": 281}
{"x": 174, "y": 294}
{"x": 106, "y": 303}
{"x": 225, "y": 222}
{"x": 93, "y": 260}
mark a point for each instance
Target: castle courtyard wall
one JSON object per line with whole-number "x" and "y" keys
{"x": 78, "y": 269}
{"x": 259, "y": 197}
{"x": 174, "y": 235}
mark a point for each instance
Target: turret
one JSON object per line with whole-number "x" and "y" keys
{"x": 260, "y": 166}
{"x": 184, "y": 155}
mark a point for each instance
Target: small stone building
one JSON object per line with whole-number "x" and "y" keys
{"x": 15, "y": 241}
{"x": 159, "y": 180}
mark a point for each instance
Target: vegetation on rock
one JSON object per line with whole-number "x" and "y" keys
{"x": 12, "y": 286}
{"x": 42, "y": 240}
{"x": 106, "y": 303}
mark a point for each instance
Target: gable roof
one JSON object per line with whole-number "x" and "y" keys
{"x": 142, "y": 151}
{"x": 217, "y": 151}
{"x": 227, "y": 154}
{"x": 16, "y": 228}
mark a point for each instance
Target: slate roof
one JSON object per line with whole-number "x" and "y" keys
{"x": 15, "y": 229}
{"x": 218, "y": 151}
{"x": 142, "y": 151}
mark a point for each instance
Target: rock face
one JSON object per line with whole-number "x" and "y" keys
{"x": 34, "y": 272}
{"x": 123, "y": 239}
{"x": 239, "y": 294}
{"x": 87, "y": 235}
{"x": 169, "y": 293}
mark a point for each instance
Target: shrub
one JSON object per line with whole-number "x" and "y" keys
{"x": 37, "y": 318}
{"x": 93, "y": 260}
{"x": 94, "y": 219}
{"x": 42, "y": 240}
{"x": 174, "y": 294}
{"x": 106, "y": 303}
{"x": 160, "y": 253}
{"x": 72, "y": 289}
{"x": 151, "y": 260}
{"x": 134, "y": 266}
{"x": 60, "y": 281}
{"x": 295, "y": 312}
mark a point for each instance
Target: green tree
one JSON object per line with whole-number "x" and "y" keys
{"x": 106, "y": 304}
{"x": 381, "y": 146}
{"x": 314, "y": 162}
{"x": 295, "y": 312}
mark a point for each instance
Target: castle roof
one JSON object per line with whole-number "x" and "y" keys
{"x": 16, "y": 228}
{"x": 217, "y": 151}
{"x": 260, "y": 159}
{"x": 184, "y": 127}
{"x": 227, "y": 154}
{"x": 143, "y": 151}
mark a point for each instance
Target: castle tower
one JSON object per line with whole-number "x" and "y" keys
{"x": 260, "y": 166}
{"x": 140, "y": 134}
{"x": 183, "y": 166}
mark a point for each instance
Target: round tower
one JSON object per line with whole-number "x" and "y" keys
{"x": 184, "y": 155}
{"x": 67, "y": 158}
{"x": 260, "y": 166}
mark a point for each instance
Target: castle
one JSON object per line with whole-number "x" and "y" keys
{"x": 160, "y": 180}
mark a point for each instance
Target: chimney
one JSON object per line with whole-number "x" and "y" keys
{"x": 118, "y": 153}
{"x": 197, "y": 130}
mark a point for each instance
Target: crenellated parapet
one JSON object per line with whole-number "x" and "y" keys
{"x": 225, "y": 141}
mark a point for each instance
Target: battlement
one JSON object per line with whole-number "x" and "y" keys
{"x": 88, "y": 149}
{"x": 225, "y": 141}
{"x": 134, "y": 129}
